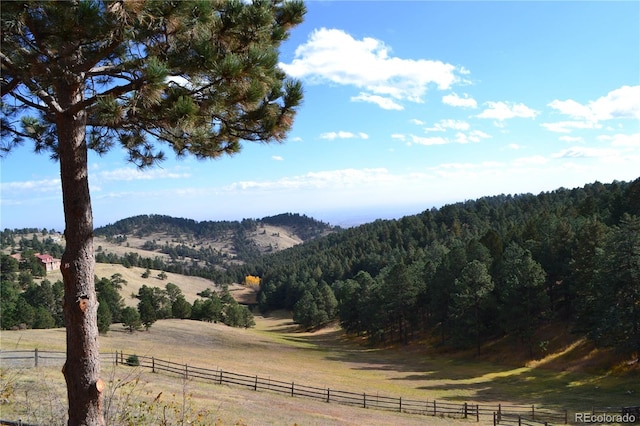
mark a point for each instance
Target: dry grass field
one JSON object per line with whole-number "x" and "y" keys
{"x": 276, "y": 349}
{"x": 190, "y": 286}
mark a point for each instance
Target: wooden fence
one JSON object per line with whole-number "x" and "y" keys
{"x": 501, "y": 414}
{"x": 520, "y": 415}
{"x": 364, "y": 400}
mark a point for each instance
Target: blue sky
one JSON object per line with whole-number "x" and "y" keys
{"x": 408, "y": 105}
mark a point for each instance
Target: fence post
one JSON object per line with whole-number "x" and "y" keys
{"x": 291, "y": 388}
{"x": 220, "y": 376}
{"x": 499, "y": 412}
{"x": 533, "y": 412}
{"x": 116, "y": 358}
{"x": 186, "y": 371}
{"x": 566, "y": 417}
{"x": 35, "y": 356}
{"x": 153, "y": 364}
{"x": 477, "y": 412}
{"x": 364, "y": 400}
{"x": 494, "y": 419}
{"x": 328, "y": 395}
{"x": 400, "y": 400}
{"x": 519, "y": 420}
{"x": 255, "y": 385}
{"x": 434, "y": 407}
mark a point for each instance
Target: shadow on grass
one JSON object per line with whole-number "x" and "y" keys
{"x": 482, "y": 381}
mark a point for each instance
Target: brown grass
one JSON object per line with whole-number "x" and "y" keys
{"x": 274, "y": 349}
{"x": 327, "y": 358}
{"x": 190, "y": 286}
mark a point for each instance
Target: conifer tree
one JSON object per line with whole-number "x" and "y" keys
{"x": 198, "y": 77}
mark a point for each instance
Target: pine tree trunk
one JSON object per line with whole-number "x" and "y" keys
{"x": 82, "y": 367}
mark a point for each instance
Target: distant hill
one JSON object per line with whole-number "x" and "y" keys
{"x": 206, "y": 243}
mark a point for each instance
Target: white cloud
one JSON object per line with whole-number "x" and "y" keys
{"x": 514, "y": 146}
{"x": 343, "y": 135}
{"x": 277, "y": 158}
{"x": 42, "y": 185}
{"x": 621, "y": 103}
{"x": 571, "y": 139}
{"x": 416, "y": 121}
{"x": 455, "y": 100}
{"x": 334, "y": 56}
{"x": 459, "y": 137}
{"x": 572, "y": 108}
{"x": 534, "y": 160}
{"x": 568, "y": 126}
{"x": 418, "y": 140}
{"x": 506, "y": 110}
{"x": 381, "y": 101}
{"x": 585, "y": 152}
{"x": 624, "y": 141}
{"x": 129, "y": 174}
{"x": 472, "y": 136}
{"x": 317, "y": 180}
{"x": 445, "y": 124}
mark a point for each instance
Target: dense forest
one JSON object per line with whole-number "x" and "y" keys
{"x": 473, "y": 271}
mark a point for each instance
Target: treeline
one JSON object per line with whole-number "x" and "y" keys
{"x": 16, "y": 241}
{"x": 155, "y": 303}
{"x": 305, "y": 227}
{"x": 186, "y": 231}
{"x": 144, "y": 225}
{"x": 27, "y": 304}
{"x": 194, "y": 267}
{"x": 474, "y": 270}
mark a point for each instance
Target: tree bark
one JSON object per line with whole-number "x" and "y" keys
{"x": 82, "y": 367}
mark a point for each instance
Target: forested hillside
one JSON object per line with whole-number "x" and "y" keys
{"x": 474, "y": 270}
{"x": 189, "y": 247}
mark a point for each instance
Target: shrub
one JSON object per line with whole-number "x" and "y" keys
{"x": 133, "y": 361}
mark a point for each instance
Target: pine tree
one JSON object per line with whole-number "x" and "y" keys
{"x": 473, "y": 291}
{"x": 521, "y": 296}
{"x": 616, "y": 289}
{"x": 200, "y": 77}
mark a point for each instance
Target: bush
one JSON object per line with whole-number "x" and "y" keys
{"x": 133, "y": 361}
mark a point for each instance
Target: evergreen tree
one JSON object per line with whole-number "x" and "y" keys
{"x": 521, "y": 296}
{"x": 180, "y": 308}
{"x": 109, "y": 296}
{"x": 616, "y": 291}
{"x": 473, "y": 291}
{"x": 200, "y": 76}
{"x": 131, "y": 319}
{"x": 105, "y": 318}
{"x": 399, "y": 293}
{"x": 306, "y": 312}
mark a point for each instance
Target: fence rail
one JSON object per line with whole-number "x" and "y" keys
{"x": 501, "y": 414}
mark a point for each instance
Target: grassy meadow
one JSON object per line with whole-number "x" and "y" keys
{"x": 276, "y": 349}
